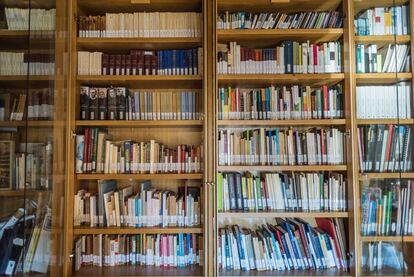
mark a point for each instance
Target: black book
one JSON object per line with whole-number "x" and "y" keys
{"x": 232, "y": 192}
{"x": 378, "y": 147}
{"x": 112, "y": 114}
{"x": 84, "y": 102}
{"x": 120, "y": 102}
{"x": 238, "y": 189}
{"x": 93, "y": 103}
{"x": 102, "y": 103}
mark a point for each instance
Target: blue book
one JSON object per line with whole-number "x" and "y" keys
{"x": 294, "y": 245}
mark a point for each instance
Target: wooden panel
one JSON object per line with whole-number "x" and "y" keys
{"x": 382, "y": 78}
{"x": 384, "y": 121}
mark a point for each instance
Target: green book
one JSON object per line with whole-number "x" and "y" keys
{"x": 219, "y": 191}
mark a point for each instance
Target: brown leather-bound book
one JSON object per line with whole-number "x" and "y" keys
{"x": 154, "y": 64}
{"x": 123, "y": 65}
{"x": 112, "y": 114}
{"x": 118, "y": 62}
{"x": 111, "y": 65}
{"x": 134, "y": 64}
{"x": 102, "y": 103}
{"x": 105, "y": 64}
{"x": 93, "y": 103}
{"x": 128, "y": 63}
{"x": 84, "y": 102}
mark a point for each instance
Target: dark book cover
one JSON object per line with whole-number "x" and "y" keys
{"x": 105, "y": 64}
{"x": 111, "y": 65}
{"x": 102, "y": 103}
{"x": 238, "y": 191}
{"x": 93, "y": 103}
{"x": 84, "y": 102}
{"x": 118, "y": 62}
{"x": 121, "y": 102}
{"x": 112, "y": 110}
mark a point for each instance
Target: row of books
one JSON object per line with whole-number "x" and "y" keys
{"x": 370, "y": 59}
{"x": 393, "y": 101}
{"x": 15, "y": 63}
{"x": 393, "y": 20}
{"x": 281, "y": 192}
{"x": 178, "y": 250}
{"x": 302, "y": 20}
{"x": 278, "y": 103}
{"x": 383, "y": 256}
{"x": 281, "y": 146}
{"x": 120, "y": 103}
{"x": 141, "y": 24}
{"x": 290, "y": 57}
{"x": 291, "y": 244}
{"x": 385, "y": 148}
{"x": 137, "y": 206}
{"x": 39, "y": 104}
{"x": 25, "y": 252}
{"x": 140, "y": 62}
{"x": 37, "y": 19}
{"x": 96, "y": 152}
{"x": 387, "y": 208}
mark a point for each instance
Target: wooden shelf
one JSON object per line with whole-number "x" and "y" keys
{"x": 17, "y": 193}
{"x": 122, "y": 6}
{"x": 271, "y": 273}
{"x": 252, "y": 215}
{"x": 382, "y": 40}
{"x": 132, "y": 231}
{"x": 282, "y": 168}
{"x": 360, "y": 5}
{"x": 277, "y": 79}
{"x": 160, "y": 176}
{"x": 109, "y": 45}
{"x": 281, "y": 6}
{"x": 140, "y": 123}
{"x": 387, "y": 175}
{"x": 298, "y": 122}
{"x": 131, "y": 270}
{"x": 384, "y": 121}
{"x": 144, "y": 81}
{"x": 28, "y": 123}
{"x": 382, "y": 78}
{"x": 388, "y": 238}
{"x": 265, "y": 38}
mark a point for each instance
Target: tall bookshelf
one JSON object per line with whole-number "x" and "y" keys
{"x": 402, "y": 243}
{"x": 169, "y": 132}
{"x": 259, "y": 38}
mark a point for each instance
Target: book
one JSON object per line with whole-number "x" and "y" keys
{"x": 274, "y": 103}
{"x": 393, "y": 20}
{"x": 130, "y": 206}
{"x": 301, "y": 20}
{"x": 384, "y": 148}
{"x": 141, "y": 62}
{"x": 383, "y": 255}
{"x": 387, "y": 208}
{"x": 130, "y": 157}
{"x": 267, "y": 192}
{"x": 383, "y": 102}
{"x": 141, "y": 24}
{"x": 172, "y": 250}
{"x": 19, "y": 19}
{"x": 291, "y": 244}
{"x": 24, "y": 63}
{"x": 280, "y": 146}
{"x": 7, "y": 159}
{"x": 290, "y": 57}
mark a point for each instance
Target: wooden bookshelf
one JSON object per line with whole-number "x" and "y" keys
{"x": 382, "y": 78}
{"x": 131, "y": 270}
{"x": 301, "y": 273}
{"x": 126, "y": 44}
{"x": 155, "y": 176}
{"x": 135, "y": 231}
{"x": 299, "y": 122}
{"x": 297, "y": 168}
{"x": 239, "y": 215}
{"x": 388, "y": 238}
{"x": 384, "y": 121}
{"x": 140, "y": 123}
{"x": 382, "y": 40}
{"x": 387, "y": 175}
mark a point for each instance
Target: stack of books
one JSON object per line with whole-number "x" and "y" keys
{"x": 97, "y": 153}
{"x": 120, "y": 103}
{"x": 38, "y": 19}
{"x": 278, "y": 103}
{"x": 289, "y": 57}
{"x": 281, "y": 146}
{"x": 281, "y": 192}
{"x": 302, "y": 20}
{"x": 15, "y": 63}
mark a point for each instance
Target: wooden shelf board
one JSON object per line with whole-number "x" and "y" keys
{"x": 131, "y": 270}
{"x": 384, "y": 39}
{"x": 131, "y": 231}
{"x": 16, "y": 193}
{"x": 20, "y": 78}
{"x": 28, "y": 123}
{"x": 388, "y": 238}
{"x": 360, "y": 5}
{"x": 119, "y": 6}
{"x": 274, "y": 79}
{"x": 299, "y": 122}
{"x": 387, "y": 175}
{"x": 144, "y": 81}
{"x": 109, "y": 45}
{"x": 382, "y": 78}
{"x": 140, "y": 123}
{"x": 270, "y": 273}
{"x": 282, "y": 168}
{"x": 384, "y": 121}
{"x": 172, "y": 176}
{"x": 272, "y": 6}
{"x": 224, "y": 215}
{"x": 265, "y": 38}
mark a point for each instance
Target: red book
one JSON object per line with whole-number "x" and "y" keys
{"x": 327, "y": 226}
{"x": 388, "y": 148}
{"x": 325, "y": 101}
